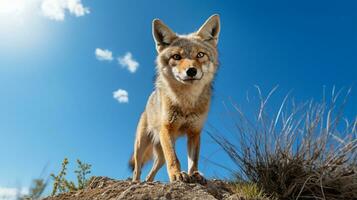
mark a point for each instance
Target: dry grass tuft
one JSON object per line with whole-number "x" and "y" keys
{"x": 249, "y": 191}
{"x": 305, "y": 151}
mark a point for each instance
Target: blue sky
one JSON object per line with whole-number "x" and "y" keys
{"x": 57, "y": 96}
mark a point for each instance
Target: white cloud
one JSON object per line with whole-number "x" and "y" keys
{"x": 121, "y": 95}
{"x": 103, "y": 54}
{"x": 128, "y": 62}
{"x": 12, "y": 193}
{"x": 56, "y": 9}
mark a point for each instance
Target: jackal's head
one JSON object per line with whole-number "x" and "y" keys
{"x": 187, "y": 59}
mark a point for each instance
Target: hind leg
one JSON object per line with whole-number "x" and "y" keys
{"x": 158, "y": 162}
{"x": 142, "y": 142}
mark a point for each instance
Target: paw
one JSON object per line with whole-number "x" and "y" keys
{"x": 197, "y": 177}
{"x": 181, "y": 176}
{"x": 135, "y": 180}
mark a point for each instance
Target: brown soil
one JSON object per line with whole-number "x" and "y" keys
{"x": 101, "y": 188}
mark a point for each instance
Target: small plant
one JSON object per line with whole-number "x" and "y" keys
{"x": 62, "y": 185}
{"x": 59, "y": 184}
{"x": 306, "y": 151}
{"x": 82, "y": 171}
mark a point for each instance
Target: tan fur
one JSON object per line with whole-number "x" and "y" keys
{"x": 180, "y": 102}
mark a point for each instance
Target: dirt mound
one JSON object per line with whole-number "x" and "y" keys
{"x": 110, "y": 189}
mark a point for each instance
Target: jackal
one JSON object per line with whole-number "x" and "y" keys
{"x": 186, "y": 67}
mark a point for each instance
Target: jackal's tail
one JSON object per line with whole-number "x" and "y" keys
{"x": 147, "y": 156}
{"x": 131, "y": 162}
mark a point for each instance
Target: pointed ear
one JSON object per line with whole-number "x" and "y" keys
{"x": 209, "y": 31}
{"x": 163, "y": 35}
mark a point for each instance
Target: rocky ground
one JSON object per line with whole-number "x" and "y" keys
{"x": 109, "y": 189}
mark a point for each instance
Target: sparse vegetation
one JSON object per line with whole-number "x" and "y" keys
{"x": 62, "y": 185}
{"x": 305, "y": 151}
{"x": 37, "y": 188}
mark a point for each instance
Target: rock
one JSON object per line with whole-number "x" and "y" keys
{"x": 103, "y": 188}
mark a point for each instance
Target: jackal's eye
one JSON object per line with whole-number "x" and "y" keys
{"x": 176, "y": 57}
{"x": 200, "y": 54}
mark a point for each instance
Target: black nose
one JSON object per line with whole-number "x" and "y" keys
{"x": 191, "y": 72}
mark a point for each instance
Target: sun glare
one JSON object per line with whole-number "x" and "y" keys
{"x": 19, "y": 18}
{"x": 10, "y": 7}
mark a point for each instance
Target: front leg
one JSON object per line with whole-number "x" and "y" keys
{"x": 168, "y": 146}
{"x": 193, "y": 149}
